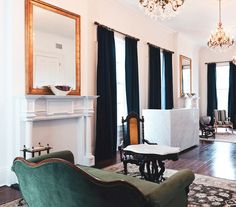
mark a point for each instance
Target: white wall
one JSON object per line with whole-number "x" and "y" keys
{"x": 206, "y": 56}
{"x": 187, "y": 47}
{"x": 107, "y": 12}
{"x": 2, "y": 94}
{"x": 12, "y": 83}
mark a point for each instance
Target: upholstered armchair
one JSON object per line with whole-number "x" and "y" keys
{"x": 221, "y": 121}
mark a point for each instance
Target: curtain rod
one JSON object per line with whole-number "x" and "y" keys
{"x": 161, "y": 48}
{"x": 96, "y": 23}
{"x": 220, "y": 62}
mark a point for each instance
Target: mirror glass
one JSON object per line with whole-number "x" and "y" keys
{"x": 185, "y": 75}
{"x": 52, "y": 49}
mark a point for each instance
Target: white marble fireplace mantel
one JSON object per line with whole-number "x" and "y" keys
{"x": 38, "y": 108}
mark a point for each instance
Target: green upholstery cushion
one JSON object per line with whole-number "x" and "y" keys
{"x": 156, "y": 194}
{"x": 65, "y": 155}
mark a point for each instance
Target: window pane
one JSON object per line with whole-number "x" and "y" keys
{"x": 120, "y": 78}
{"x": 222, "y": 86}
{"x": 163, "y": 89}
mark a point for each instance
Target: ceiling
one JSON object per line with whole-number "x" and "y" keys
{"x": 198, "y": 18}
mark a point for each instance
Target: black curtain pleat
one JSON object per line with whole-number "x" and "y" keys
{"x": 131, "y": 75}
{"x": 211, "y": 89}
{"x": 154, "y": 78}
{"x": 106, "y": 130}
{"x": 232, "y": 94}
{"x": 168, "y": 79}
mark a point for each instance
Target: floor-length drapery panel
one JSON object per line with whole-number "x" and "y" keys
{"x": 154, "y": 94}
{"x": 131, "y": 75}
{"x": 232, "y": 93}
{"x": 168, "y": 79}
{"x": 106, "y": 128}
{"x": 211, "y": 89}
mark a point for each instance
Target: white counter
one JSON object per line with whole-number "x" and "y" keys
{"x": 175, "y": 128}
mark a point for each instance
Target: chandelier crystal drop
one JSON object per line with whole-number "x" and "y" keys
{"x": 220, "y": 40}
{"x": 163, "y": 9}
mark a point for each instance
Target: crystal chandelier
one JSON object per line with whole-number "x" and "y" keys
{"x": 164, "y": 9}
{"x": 220, "y": 40}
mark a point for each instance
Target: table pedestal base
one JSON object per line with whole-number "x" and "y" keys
{"x": 153, "y": 170}
{"x": 150, "y": 159}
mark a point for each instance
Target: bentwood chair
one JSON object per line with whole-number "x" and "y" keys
{"x": 133, "y": 134}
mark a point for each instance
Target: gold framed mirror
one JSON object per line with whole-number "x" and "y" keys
{"x": 185, "y": 75}
{"x": 52, "y": 48}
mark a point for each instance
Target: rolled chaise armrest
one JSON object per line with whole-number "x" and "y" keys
{"x": 167, "y": 191}
{"x": 65, "y": 155}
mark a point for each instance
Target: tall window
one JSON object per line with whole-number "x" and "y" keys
{"x": 222, "y": 85}
{"x": 120, "y": 78}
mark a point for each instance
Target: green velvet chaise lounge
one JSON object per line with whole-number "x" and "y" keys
{"x": 53, "y": 180}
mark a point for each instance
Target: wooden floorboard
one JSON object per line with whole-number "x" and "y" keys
{"x": 8, "y": 194}
{"x": 209, "y": 158}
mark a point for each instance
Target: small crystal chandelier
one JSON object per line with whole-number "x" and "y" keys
{"x": 164, "y": 9}
{"x": 220, "y": 40}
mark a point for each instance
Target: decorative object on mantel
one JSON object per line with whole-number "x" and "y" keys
{"x": 163, "y": 9}
{"x": 38, "y": 149}
{"x": 220, "y": 40}
{"x": 60, "y": 90}
{"x": 189, "y": 100}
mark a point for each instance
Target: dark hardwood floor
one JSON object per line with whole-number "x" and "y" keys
{"x": 215, "y": 159}
{"x": 209, "y": 158}
{"x": 8, "y": 194}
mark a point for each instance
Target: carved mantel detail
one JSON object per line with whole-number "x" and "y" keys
{"x": 50, "y": 107}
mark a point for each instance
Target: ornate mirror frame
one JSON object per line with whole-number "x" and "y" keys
{"x": 29, "y": 45}
{"x": 183, "y": 58}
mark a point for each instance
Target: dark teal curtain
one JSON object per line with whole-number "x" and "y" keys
{"x": 232, "y": 93}
{"x": 168, "y": 79}
{"x": 131, "y": 75}
{"x": 106, "y": 130}
{"x": 211, "y": 89}
{"x": 154, "y": 78}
